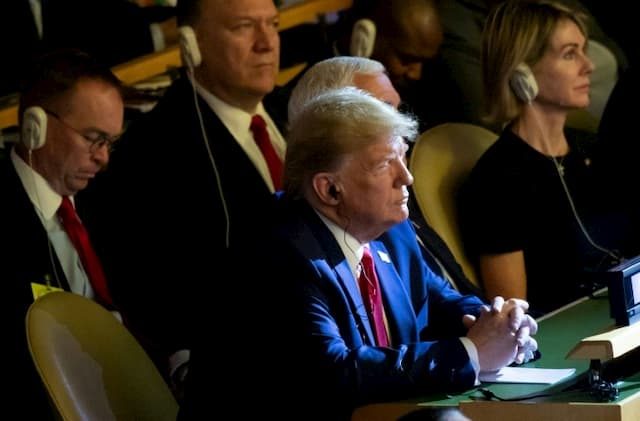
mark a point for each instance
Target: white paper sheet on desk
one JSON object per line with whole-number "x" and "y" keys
{"x": 527, "y": 375}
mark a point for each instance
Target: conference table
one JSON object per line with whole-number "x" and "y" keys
{"x": 567, "y": 400}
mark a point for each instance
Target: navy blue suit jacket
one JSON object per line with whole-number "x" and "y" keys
{"x": 424, "y": 315}
{"x": 300, "y": 318}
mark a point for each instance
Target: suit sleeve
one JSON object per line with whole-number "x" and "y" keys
{"x": 438, "y": 306}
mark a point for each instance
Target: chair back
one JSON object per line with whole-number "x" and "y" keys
{"x": 91, "y": 366}
{"x": 440, "y": 161}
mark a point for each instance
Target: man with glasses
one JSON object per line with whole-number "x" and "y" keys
{"x": 97, "y": 139}
{"x": 71, "y": 113}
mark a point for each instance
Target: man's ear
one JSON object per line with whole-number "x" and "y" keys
{"x": 326, "y": 189}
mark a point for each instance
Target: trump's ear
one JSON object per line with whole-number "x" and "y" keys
{"x": 326, "y": 188}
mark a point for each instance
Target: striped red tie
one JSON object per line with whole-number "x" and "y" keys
{"x": 372, "y": 297}
{"x": 259, "y": 129}
{"x": 80, "y": 239}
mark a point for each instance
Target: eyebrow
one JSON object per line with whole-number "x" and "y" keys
{"x": 102, "y": 134}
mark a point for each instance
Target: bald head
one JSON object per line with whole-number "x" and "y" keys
{"x": 409, "y": 32}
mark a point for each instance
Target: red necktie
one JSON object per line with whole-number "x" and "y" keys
{"x": 371, "y": 295}
{"x": 259, "y": 129}
{"x": 80, "y": 239}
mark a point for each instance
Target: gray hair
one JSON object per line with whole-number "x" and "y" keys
{"x": 332, "y": 73}
{"x": 333, "y": 125}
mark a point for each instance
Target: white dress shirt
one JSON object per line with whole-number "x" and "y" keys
{"x": 238, "y": 123}
{"x": 46, "y": 203}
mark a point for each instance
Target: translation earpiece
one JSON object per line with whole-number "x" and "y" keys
{"x": 333, "y": 191}
{"x": 523, "y": 83}
{"x": 34, "y": 128}
{"x": 363, "y": 38}
{"x": 189, "y": 47}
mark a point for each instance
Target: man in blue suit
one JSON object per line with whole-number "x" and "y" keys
{"x": 346, "y": 192}
{"x": 302, "y": 285}
{"x": 371, "y": 76}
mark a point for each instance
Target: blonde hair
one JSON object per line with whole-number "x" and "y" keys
{"x": 517, "y": 31}
{"x": 333, "y": 125}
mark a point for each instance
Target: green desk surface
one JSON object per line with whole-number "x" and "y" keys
{"x": 557, "y": 335}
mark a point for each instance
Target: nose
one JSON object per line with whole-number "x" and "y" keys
{"x": 589, "y": 66}
{"x": 414, "y": 71}
{"x": 267, "y": 37}
{"x": 101, "y": 155}
{"x": 405, "y": 178}
{"x": 408, "y": 177}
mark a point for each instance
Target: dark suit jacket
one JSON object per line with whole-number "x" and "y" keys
{"x": 314, "y": 334}
{"x": 24, "y": 258}
{"x": 159, "y": 217}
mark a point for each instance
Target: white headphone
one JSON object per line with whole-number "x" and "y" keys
{"x": 34, "y": 128}
{"x": 192, "y": 58}
{"x": 523, "y": 83}
{"x": 189, "y": 47}
{"x": 363, "y": 38}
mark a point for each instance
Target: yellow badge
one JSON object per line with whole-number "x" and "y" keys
{"x": 39, "y": 290}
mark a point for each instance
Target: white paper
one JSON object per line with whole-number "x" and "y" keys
{"x": 526, "y": 375}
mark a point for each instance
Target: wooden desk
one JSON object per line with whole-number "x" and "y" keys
{"x": 8, "y": 116}
{"x": 156, "y": 63}
{"x": 309, "y": 11}
{"x": 557, "y": 336}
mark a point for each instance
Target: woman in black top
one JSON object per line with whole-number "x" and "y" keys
{"x": 529, "y": 210}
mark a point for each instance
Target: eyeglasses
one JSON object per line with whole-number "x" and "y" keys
{"x": 96, "y": 140}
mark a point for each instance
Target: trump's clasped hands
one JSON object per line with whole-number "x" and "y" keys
{"x": 502, "y": 333}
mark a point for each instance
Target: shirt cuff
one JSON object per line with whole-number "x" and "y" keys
{"x": 472, "y": 351}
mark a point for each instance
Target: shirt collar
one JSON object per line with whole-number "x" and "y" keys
{"x": 236, "y": 119}
{"x": 350, "y": 246}
{"x": 44, "y": 198}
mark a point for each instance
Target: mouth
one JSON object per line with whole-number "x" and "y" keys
{"x": 86, "y": 176}
{"x": 583, "y": 88}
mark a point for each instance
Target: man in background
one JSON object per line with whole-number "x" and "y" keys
{"x": 191, "y": 175}
{"x": 405, "y": 36}
{"x": 71, "y": 113}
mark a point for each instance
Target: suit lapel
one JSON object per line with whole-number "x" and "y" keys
{"x": 349, "y": 283}
{"x": 326, "y": 249}
{"x": 397, "y": 306}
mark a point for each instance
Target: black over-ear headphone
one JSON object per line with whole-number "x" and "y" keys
{"x": 523, "y": 83}
{"x": 34, "y": 128}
